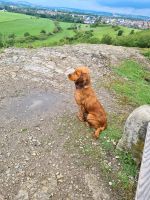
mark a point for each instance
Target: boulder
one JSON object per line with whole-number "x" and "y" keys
{"x": 135, "y": 132}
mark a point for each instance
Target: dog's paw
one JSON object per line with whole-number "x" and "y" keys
{"x": 80, "y": 117}
{"x": 95, "y": 136}
{"x": 87, "y": 124}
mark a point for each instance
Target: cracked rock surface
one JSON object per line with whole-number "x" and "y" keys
{"x": 35, "y": 96}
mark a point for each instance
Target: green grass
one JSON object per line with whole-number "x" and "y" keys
{"x": 21, "y": 23}
{"x": 133, "y": 87}
{"x": 54, "y": 39}
{"x": 8, "y": 16}
{"x": 107, "y": 29}
{"x": 146, "y": 53}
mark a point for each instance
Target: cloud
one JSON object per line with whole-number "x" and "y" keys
{"x": 139, "y": 7}
{"x": 137, "y": 4}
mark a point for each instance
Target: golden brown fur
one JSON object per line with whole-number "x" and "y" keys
{"x": 90, "y": 109}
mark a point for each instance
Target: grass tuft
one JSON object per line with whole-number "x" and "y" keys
{"x": 134, "y": 87}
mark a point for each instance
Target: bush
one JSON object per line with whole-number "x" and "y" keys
{"x": 43, "y": 32}
{"x": 57, "y": 27}
{"x": 21, "y": 40}
{"x": 94, "y": 40}
{"x": 106, "y": 39}
{"x": 55, "y": 30}
{"x": 143, "y": 41}
{"x": 11, "y": 36}
{"x": 10, "y": 42}
{"x": 1, "y": 44}
{"x": 120, "y": 32}
{"x": 132, "y": 32}
{"x": 49, "y": 34}
{"x": 1, "y": 35}
{"x": 73, "y": 27}
{"x": 139, "y": 39}
{"x": 26, "y": 34}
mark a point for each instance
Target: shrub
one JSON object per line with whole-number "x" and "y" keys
{"x": 1, "y": 44}
{"x": 106, "y": 39}
{"x": 21, "y": 40}
{"x": 10, "y": 42}
{"x": 1, "y": 35}
{"x": 120, "y": 32}
{"x": 49, "y": 34}
{"x": 43, "y": 32}
{"x": 55, "y": 30}
{"x": 11, "y": 36}
{"x": 94, "y": 40}
{"x": 26, "y": 34}
{"x": 132, "y": 32}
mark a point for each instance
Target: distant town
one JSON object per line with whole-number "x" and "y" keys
{"x": 78, "y": 17}
{"x": 89, "y": 19}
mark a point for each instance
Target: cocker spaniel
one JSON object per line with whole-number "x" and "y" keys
{"x": 90, "y": 109}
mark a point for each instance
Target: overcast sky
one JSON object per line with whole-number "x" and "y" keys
{"x": 140, "y": 7}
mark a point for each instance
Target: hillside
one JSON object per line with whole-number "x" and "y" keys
{"x": 46, "y": 153}
{"x": 19, "y": 24}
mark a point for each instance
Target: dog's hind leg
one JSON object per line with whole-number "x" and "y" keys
{"x": 95, "y": 123}
{"x": 97, "y": 132}
{"x": 92, "y": 120}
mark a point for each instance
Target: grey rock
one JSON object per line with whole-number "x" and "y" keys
{"x": 135, "y": 131}
{"x": 40, "y": 195}
{"x": 22, "y": 195}
{"x": 98, "y": 190}
{"x": 1, "y": 197}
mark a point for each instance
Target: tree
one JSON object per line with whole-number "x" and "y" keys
{"x": 26, "y": 34}
{"x": 120, "y": 32}
{"x": 57, "y": 27}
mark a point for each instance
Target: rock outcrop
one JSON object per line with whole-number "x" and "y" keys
{"x": 135, "y": 131}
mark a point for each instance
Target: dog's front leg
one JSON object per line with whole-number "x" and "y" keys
{"x": 81, "y": 114}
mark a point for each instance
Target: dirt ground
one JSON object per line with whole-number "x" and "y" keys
{"x": 38, "y": 118}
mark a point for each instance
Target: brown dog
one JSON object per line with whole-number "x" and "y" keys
{"x": 90, "y": 109}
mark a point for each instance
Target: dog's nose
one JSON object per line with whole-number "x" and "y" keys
{"x": 69, "y": 75}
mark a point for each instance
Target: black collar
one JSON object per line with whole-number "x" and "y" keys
{"x": 79, "y": 85}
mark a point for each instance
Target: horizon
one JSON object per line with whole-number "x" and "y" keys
{"x": 136, "y": 7}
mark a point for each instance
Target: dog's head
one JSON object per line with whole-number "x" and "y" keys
{"x": 81, "y": 77}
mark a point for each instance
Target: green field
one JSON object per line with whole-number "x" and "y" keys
{"x": 19, "y": 24}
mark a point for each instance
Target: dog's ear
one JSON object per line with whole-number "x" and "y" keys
{"x": 83, "y": 81}
{"x": 86, "y": 79}
{"x": 85, "y": 70}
